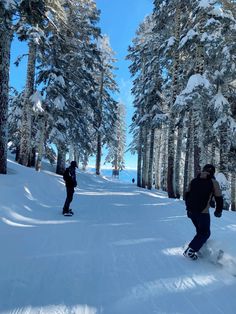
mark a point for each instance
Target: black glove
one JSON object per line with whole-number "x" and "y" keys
{"x": 212, "y": 203}
{"x": 217, "y": 213}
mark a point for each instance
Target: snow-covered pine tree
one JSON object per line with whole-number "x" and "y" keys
{"x": 116, "y": 146}
{"x": 210, "y": 32}
{"x": 106, "y": 107}
{"x": 28, "y": 28}
{"x": 35, "y": 16}
{"x": 175, "y": 87}
{"x": 14, "y": 121}
{"x": 40, "y": 118}
{"x": 144, "y": 66}
{"x": 203, "y": 48}
{"x": 68, "y": 71}
{"x": 7, "y": 9}
{"x": 193, "y": 41}
{"x": 25, "y": 143}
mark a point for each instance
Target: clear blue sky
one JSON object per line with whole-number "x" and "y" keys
{"x": 119, "y": 20}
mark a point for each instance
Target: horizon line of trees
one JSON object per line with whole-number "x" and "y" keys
{"x": 68, "y": 99}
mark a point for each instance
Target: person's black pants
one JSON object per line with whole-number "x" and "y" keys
{"x": 69, "y": 198}
{"x": 202, "y": 224}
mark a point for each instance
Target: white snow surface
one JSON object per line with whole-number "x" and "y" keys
{"x": 121, "y": 252}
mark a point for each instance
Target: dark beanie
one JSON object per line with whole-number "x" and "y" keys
{"x": 74, "y": 164}
{"x": 210, "y": 169}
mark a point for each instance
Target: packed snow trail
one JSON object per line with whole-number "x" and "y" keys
{"x": 121, "y": 252}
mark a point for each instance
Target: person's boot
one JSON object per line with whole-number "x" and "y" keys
{"x": 66, "y": 212}
{"x": 190, "y": 253}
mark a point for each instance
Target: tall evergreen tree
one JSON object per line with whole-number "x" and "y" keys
{"x": 117, "y": 144}
{"x": 106, "y": 106}
{"x": 6, "y": 33}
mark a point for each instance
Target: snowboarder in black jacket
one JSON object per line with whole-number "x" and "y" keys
{"x": 198, "y": 198}
{"x": 69, "y": 177}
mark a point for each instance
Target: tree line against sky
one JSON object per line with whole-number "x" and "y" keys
{"x": 68, "y": 104}
{"x": 183, "y": 67}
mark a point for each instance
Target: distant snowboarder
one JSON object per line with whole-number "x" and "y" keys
{"x": 197, "y": 199}
{"x": 69, "y": 177}
{"x": 133, "y": 180}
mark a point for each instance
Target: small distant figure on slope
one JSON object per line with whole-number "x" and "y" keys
{"x": 69, "y": 177}
{"x": 133, "y": 180}
{"x": 197, "y": 199}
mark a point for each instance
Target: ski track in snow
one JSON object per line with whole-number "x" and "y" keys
{"x": 121, "y": 253}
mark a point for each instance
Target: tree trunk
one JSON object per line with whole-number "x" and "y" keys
{"x": 99, "y": 123}
{"x": 139, "y": 165}
{"x": 171, "y": 131}
{"x": 17, "y": 153}
{"x": 233, "y": 190}
{"x": 232, "y": 165}
{"x": 5, "y": 45}
{"x": 213, "y": 152}
{"x": 71, "y": 152}
{"x": 40, "y": 146}
{"x": 171, "y": 151}
{"x": 144, "y": 165}
{"x": 158, "y": 145}
{"x": 85, "y": 162}
{"x": 197, "y": 113}
{"x": 197, "y": 138}
{"x": 32, "y": 157}
{"x": 224, "y": 149}
{"x": 99, "y": 154}
{"x": 77, "y": 155}
{"x": 187, "y": 155}
{"x": 150, "y": 163}
{"x": 61, "y": 160}
{"x": 25, "y": 145}
{"x": 164, "y": 160}
{"x": 178, "y": 157}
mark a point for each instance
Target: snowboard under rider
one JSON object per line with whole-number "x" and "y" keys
{"x": 198, "y": 198}
{"x": 69, "y": 177}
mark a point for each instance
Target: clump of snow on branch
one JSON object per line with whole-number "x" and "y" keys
{"x": 58, "y": 79}
{"x": 59, "y": 102}
{"x": 220, "y": 103}
{"x": 36, "y": 99}
{"x": 171, "y": 41}
{"x": 205, "y": 3}
{"x": 223, "y": 110}
{"x": 8, "y": 4}
{"x": 190, "y": 35}
{"x": 225, "y": 188}
{"x": 194, "y": 82}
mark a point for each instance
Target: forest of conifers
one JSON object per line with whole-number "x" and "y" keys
{"x": 183, "y": 65}
{"x": 182, "y": 62}
{"x": 68, "y": 102}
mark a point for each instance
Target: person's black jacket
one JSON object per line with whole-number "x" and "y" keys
{"x": 200, "y": 192}
{"x": 69, "y": 177}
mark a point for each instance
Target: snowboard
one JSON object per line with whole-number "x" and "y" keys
{"x": 70, "y": 213}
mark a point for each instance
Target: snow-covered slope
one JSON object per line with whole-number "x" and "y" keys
{"x": 121, "y": 253}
